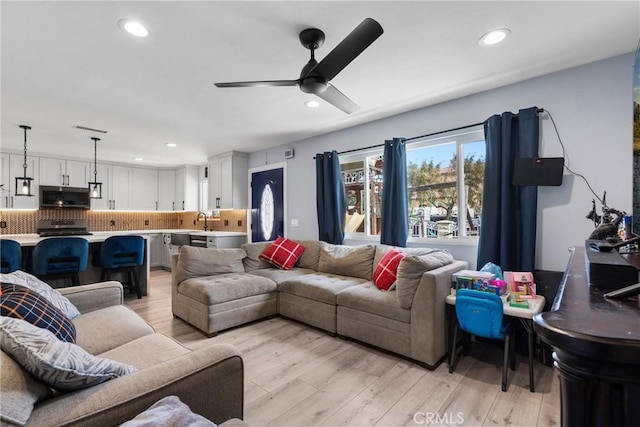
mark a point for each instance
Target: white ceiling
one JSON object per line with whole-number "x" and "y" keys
{"x": 68, "y": 63}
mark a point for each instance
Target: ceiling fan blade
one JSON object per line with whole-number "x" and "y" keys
{"x": 349, "y": 48}
{"x": 265, "y": 83}
{"x": 338, "y": 99}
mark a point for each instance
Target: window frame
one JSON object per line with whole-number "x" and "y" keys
{"x": 471, "y": 135}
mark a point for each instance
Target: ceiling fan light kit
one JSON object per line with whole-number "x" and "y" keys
{"x": 315, "y": 76}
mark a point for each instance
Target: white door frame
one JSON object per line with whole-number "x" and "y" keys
{"x": 283, "y": 166}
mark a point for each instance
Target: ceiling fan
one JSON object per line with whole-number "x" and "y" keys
{"x": 315, "y": 76}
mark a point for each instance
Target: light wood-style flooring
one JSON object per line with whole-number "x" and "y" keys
{"x": 296, "y": 376}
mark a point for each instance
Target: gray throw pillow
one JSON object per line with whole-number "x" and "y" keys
{"x": 198, "y": 262}
{"x": 20, "y": 391}
{"x": 52, "y": 295}
{"x": 253, "y": 261}
{"x": 410, "y": 272}
{"x": 311, "y": 255}
{"x": 58, "y": 364}
{"x": 352, "y": 261}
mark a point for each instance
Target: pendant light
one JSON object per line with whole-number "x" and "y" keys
{"x": 95, "y": 187}
{"x": 23, "y": 183}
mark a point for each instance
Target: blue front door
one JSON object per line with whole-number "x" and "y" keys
{"x": 267, "y": 205}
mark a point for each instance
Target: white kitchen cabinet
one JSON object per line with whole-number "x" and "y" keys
{"x": 156, "y": 248}
{"x": 69, "y": 173}
{"x": 187, "y": 186}
{"x": 167, "y": 190}
{"x": 144, "y": 189}
{"x": 116, "y": 188}
{"x": 12, "y": 166}
{"x": 228, "y": 181}
{"x": 120, "y": 187}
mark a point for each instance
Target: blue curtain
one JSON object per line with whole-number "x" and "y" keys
{"x": 394, "y": 216}
{"x": 508, "y": 229}
{"x": 331, "y": 199}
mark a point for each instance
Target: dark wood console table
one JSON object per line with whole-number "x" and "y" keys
{"x": 596, "y": 343}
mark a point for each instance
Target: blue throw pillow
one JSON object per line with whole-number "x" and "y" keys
{"x": 22, "y": 303}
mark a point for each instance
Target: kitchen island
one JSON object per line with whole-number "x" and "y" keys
{"x": 155, "y": 246}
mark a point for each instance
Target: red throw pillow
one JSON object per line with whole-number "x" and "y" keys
{"x": 386, "y": 271}
{"x": 283, "y": 253}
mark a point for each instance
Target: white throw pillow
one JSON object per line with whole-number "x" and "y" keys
{"x": 58, "y": 364}
{"x": 168, "y": 412}
{"x": 52, "y": 295}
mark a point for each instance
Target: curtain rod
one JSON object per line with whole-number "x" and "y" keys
{"x": 539, "y": 111}
{"x": 410, "y": 139}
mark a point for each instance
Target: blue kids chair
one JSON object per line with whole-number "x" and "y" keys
{"x": 10, "y": 256}
{"x": 481, "y": 314}
{"x": 60, "y": 257}
{"x": 122, "y": 254}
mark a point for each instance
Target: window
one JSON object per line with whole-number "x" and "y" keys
{"x": 437, "y": 191}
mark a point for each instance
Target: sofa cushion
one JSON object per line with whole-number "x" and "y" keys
{"x": 321, "y": 287}
{"x": 147, "y": 351}
{"x": 311, "y": 255}
{"x": 22, "y": 303}
{"x": 252, "y": 261}
{"x": 369, "y": 299}
{"x": 110, "y": 327}
{"x": 58, "y": 364}
{"x": 384, "y": 276}
{"x": 197, "y": 262}
{"x": 280, "y": 276}
{"x": 19, "y": 391}
{"x": 168, "y": 412}
{"x": 283, "y": 253}
{"x": 353, "y": 261}
{"x": 220, "y": 288}
{"x": 410, "y": 273}
{"x": 37, "y": 285}
{"x": 381, "y": 250}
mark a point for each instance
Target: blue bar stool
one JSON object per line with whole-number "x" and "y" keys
{"x": 121, "y": 254}
{"x": 60, "y": 257}
{"x": 10, "y": 255}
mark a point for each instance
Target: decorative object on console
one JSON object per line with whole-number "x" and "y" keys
{"x": 95, "y": 187}
{"x": 25, "y": 186}
{"x": 606, "y": 228}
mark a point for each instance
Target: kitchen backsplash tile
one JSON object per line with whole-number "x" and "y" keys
{"x": 24, "y": 221}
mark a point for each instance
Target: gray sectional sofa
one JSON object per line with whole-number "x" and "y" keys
{"x": 210, "y": 380}
{"x": 329, "y": 288}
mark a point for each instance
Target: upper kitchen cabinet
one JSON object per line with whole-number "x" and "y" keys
{"x": 144, "y": 189}
{"x": 116, "y": 188}
{"x": 68, "y": 173}
{"x": 12, "y": 166}
{"x": 167, "y": 183}
{"x": 187, "y": 186}
{"x": 228, "y": 181}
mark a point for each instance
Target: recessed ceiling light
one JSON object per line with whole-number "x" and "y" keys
{"x": 133, "y": 27}
{"x": 170, "y": 144}
{"x": 138, "y": 159}
{"x": 494, "y": 37}
{"x": 312, "y": 104}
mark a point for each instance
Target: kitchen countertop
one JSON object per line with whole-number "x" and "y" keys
{"x": 101, "y": 236}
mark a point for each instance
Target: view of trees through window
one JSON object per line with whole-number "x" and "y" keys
{"x": 434, "y": 190}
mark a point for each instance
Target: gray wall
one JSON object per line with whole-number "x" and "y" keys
{"x": 592, "y": 107}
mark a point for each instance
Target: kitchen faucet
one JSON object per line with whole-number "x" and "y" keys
{"x": 205, "y": 219}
